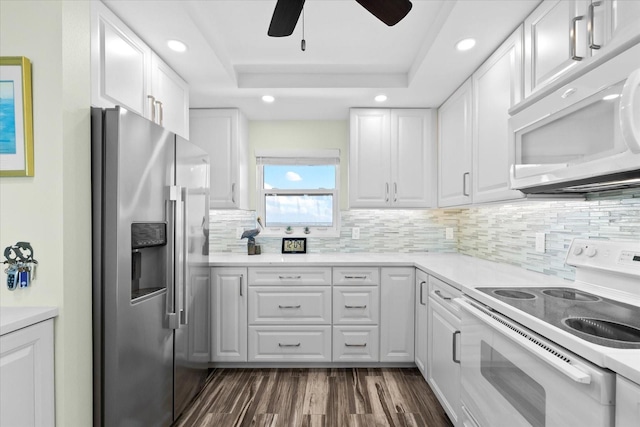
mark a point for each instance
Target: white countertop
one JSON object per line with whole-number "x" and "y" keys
{"x": 14, "y": 318}
{"x": 466, "y": 274}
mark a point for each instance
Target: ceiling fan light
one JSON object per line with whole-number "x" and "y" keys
{"x": 268, "y": 99}
{"x": 465, "y": 44}
{"x": 176, "y": 45}
{"x": 380, "y": 98}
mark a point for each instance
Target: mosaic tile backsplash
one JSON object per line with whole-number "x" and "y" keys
{"x": 501, "y": 232}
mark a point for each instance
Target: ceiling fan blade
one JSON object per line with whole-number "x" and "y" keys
{"x": 388, "y": 11}
{"x": 285, "y": 17}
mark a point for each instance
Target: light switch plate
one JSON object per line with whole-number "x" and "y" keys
{"x": 355, "y": 233}
{"x": 540, "y": 242}
{"x": 448, "y": 233}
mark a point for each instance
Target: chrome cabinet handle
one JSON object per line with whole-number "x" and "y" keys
{"x": 464, "y": 183}
{"x": 289, "y": 277}
{"x": 288, "y": 306}
{"x": 422, "y": 289}
{"x": 437, "y": 292}
{"x": 161, "y": 111}
{"x": 455, "y": 347}
{"x": 355, "y": 306}
{"x": 386, "y": 191}
{"x": 592, "y": 42}
{"x": 355, "y": 345}
{"x": 241, "y": 277}
{"x": 395, "y": 191}
{"x": 152, "y": 100}
{"x": 574, "y": 39}
{"x": 288, "y": 345}
{"x": 355, "y": 277}
{"x": 233, "y": 192}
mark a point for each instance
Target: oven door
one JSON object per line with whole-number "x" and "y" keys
{"x": 510, "y": 376}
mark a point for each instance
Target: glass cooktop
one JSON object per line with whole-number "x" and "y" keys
{"x": 593, "y": 318}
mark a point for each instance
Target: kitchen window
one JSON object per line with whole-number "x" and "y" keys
{"x": 298, "y": 192}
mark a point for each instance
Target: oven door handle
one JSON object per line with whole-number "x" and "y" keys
{"x": 520, "y": 337}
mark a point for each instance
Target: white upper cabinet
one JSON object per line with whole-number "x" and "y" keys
{"x": 170, "y": 97}
{"x": 623, "y": 19}
{"x": 223, "y": 133}
{"x": 497, "y": 86}
{"x": 392, "y": 158}
{"x": 126, "y": 72}
{"x": 455, "y": 148}
{"x": 120, "y": 63}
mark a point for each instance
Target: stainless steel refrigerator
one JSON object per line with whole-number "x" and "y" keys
{"x": 150, "y": 198}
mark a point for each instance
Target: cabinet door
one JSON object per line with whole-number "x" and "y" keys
{"x": 26, "y": 376}
{"x": 443, "y": 364}
{"x": 369, "y": 166}
{"x": 624, "y": 20}
{"x": 221, "y": 133}
{"x": 171, "y": 95}
{"x": 497, "y": 86}
{"x": 413, "y": 158}
{"x": 199, "y": 320}
{"x": 396, "y": 315}
{"x": 120, "y": 63}
{"x": 229, "y": 315}
{"x": 421, "y": 298}
{"x": 454, "y": 142}
{"x": 551, "y": 47}
{"x": 627, "y": 403}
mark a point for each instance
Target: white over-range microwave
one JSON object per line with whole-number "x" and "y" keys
{"x": 585, "y": 136}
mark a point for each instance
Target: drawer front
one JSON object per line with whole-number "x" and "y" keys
{"x": 290, "y": 343}
{"x": 269, "y": 305}
{"x": 290, "y": 276}
{"x": 356, "y": 305}
{"x": 352, "y": 276}
{"x": 444, "y": 293}
{"x": 355, "y": 344}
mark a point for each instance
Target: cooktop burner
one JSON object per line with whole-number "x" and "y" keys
{"x": 595, "y": 319}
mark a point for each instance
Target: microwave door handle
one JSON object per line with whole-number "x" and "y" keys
{"x": 565, "y": 368}
{"x": 629, "y": 112}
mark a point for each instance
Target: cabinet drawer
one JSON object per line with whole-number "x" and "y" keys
{"x": 356, "y": 305}
{"x": 444, "y": 293}
{"x": 290, "y": 276}
{"x": 270, "y": 305}
{"x": 355, "y": 344}
{"x": 290, "y": 343}
{"x": 351, "y": 276}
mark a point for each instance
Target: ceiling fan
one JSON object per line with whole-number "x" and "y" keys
{"x": 287, "y": 12}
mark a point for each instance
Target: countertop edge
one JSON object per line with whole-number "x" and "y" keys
{"x": 15, "y": 318}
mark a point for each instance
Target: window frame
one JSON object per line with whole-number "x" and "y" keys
{"x": 299, "y": 158}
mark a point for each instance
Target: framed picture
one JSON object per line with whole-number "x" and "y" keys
{"x": 16, "y": 117}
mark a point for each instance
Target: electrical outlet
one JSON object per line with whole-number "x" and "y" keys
{"x": 448, "y": 233}
{"x": 355, "y": 233}
{"x": 541, "y": 242}
{"x": 239, "y": 231}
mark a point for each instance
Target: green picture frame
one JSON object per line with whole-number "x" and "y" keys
{"x": 16, "y": 117}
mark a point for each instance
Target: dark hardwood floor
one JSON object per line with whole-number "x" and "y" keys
{"x": 315, "y": 397}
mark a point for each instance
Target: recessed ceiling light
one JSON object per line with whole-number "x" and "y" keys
{"x": 381, "y": 98}
{"x": 610, "y": 97}
{"x": 268, "y": 98}
{"x": 465, "y": 44}
{"x": 176, "y": 45}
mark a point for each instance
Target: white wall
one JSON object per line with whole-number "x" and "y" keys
{"x": 52, "y": 210}
{"x": 313, "y": 134}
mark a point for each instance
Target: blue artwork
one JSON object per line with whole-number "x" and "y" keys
{"x": 7, "y": 118}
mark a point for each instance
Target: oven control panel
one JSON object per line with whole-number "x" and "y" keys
{"x": 610, "y": 255}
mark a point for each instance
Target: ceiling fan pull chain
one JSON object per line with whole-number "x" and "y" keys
{"x": 303, "y": 43}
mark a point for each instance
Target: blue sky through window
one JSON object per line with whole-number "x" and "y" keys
{"x": 292, "y": 177}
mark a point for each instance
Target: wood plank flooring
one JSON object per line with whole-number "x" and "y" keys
{"x": 315, "y": 398}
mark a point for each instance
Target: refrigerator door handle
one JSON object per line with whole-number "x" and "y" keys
{"x": 184, "y": 286}
{"x": 172, "y": 200}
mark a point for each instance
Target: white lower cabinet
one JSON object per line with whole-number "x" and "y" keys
{"x": 229, "y": 315}
{"x": 290, "y": 343}
{"x": 198, "y": 316}
{"x": 355, "y": 305}
{"x": 627, "y": 403}
{"x": 443, "y": 364}
{"x": 285, "y": 304}
{"x": 422, "y": 315}
{"x": 396, "y": 314}
{"x": 355, "y": 343}
{"x": 26, "y": 376}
